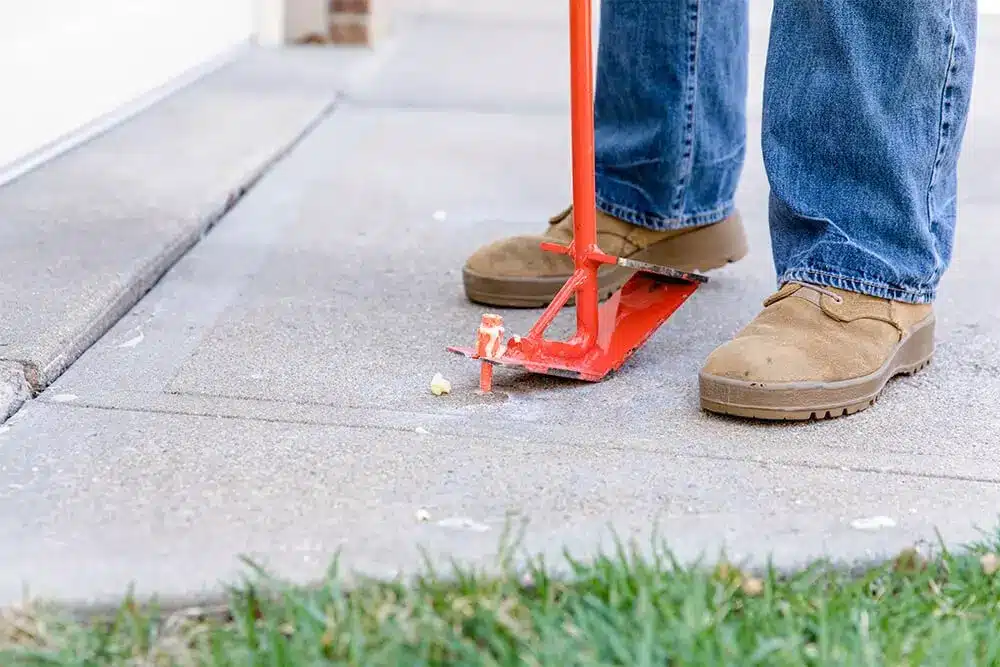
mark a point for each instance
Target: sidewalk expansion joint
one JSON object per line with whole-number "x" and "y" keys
{"x": 20, "y": 381}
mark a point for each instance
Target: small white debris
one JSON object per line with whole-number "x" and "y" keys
{"x": 423, "y": 516}
{"x": 64, "y": 398}
{"x": 990, "y": 564}
{"x": 873, "y": 523}
{"x": 440, "y": 216}
{"x": 439, "y": 385}
{"x": 463, "y": 523}
{"x": 134, "y": 340}
{"x": 420, "y": 430}
{"x": 752, "y": 587}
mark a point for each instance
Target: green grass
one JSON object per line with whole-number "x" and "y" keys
{"x": 622, "y": 609}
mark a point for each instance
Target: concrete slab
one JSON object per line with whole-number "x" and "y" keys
{"x": 14, "y": 389}
{"x": 979, "y": 181}
{"x": 443, "y": 63}
{"x": 167, "y": 501}
{"x": 456, "y": 56}
{"x": 270, "y": 396}
{"x": 84, "y": 236}
{"x": 553, "y": 12}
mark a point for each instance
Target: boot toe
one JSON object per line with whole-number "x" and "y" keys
{"x": 761, "y": 360}
{"x": 517, "y": 257}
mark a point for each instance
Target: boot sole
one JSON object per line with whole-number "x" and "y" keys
{"x": 803, "y": 401}
{"x": 700, "y": 250}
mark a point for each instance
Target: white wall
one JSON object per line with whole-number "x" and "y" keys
{"x": 278, "y": 22}
{"x": 65, "y": 63}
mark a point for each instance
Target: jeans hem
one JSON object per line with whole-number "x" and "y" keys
{"x": 659, "y": 223}
{"x": 877, "y": 289}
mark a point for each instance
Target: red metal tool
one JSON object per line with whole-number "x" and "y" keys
{"x": 608, "y": 333}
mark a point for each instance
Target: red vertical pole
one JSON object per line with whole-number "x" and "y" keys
{"x": 584, "y": 188}
{"x": 486, "y": 377}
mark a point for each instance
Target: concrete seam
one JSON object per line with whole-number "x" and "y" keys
{"x": 15, "y": 389}
{"x": 485, "y": 109}
{"x": 38, "y": 379}
{"x": 642, "y": 448}
{"x": 214, "y": 604}
{"x": 107, "y": 122}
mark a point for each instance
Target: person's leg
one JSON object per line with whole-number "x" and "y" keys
{"x": 865, "y": 107}
{"x": 670, "y": 111}
{"x": 864, "y": 111}
{"x": 670, "y": 141}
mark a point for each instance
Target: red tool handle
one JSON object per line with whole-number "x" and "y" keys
{"x": 584, "y": 187}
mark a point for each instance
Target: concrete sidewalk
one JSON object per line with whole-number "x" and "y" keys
{"x": 270, "y": 396}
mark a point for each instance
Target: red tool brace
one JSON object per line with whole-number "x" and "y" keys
{"x": 606, "y": 334}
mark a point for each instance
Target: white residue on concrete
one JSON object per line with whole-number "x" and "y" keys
{"x": 134, "y": 340}
{"x": 873, "y": 523}
{"x": 463, "y": 523}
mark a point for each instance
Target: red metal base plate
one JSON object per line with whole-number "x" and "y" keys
{"x": 627, "y": 320}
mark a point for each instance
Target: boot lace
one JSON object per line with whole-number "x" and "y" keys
{"x": 822, "y": 290}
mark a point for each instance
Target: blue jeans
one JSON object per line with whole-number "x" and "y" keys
{"x": 865, "y": 105}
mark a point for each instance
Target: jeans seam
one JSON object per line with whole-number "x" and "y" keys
{"x": 660, "y": 223}
{"x": 881, "y": 286}
{"x": 729, "y": 157}
{"x": 944, "y": 124}
{"x": 687, "y": 159}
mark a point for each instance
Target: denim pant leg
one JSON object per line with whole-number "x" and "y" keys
{"x": 865, "y": 106}
{"x": 670, "y": 109}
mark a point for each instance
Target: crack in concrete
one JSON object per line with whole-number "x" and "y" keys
{"x": 15, "y": 388}
{"x": 21, "y": 381}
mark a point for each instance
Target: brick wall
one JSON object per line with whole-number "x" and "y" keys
{"x": 357, "y": 22}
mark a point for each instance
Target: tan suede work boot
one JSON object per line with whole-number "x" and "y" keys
{"x": 516, "y": 272}
{"x": 815, "y": 353}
